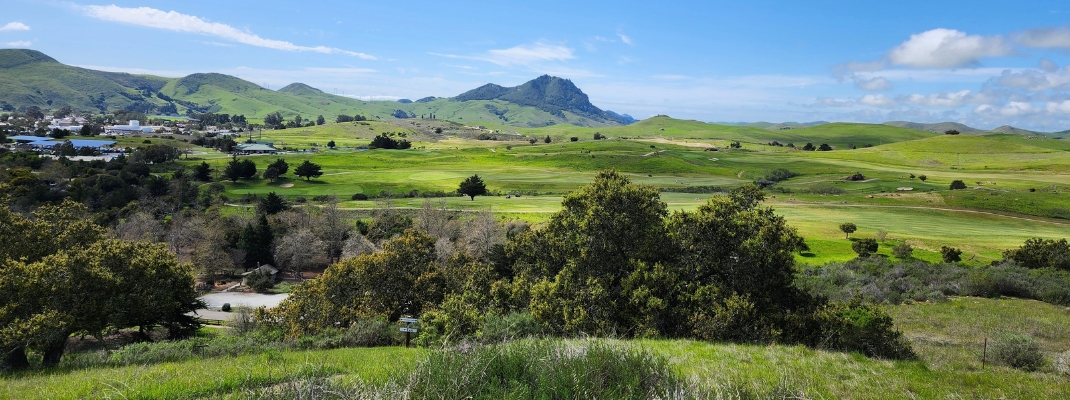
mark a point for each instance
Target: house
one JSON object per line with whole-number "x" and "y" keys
{"x": 265, "y": 269}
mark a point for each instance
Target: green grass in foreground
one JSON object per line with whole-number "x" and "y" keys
{"x": 208, "y": 377}
{"x": 948, "y": 336}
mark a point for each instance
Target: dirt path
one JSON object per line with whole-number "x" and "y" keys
{"x": 678, "y": 143}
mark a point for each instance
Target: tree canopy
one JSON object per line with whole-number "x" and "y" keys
{"x": 612, "y": 261}
{"x": 59, "y": 276}
{"x": 472, "y": 186}
{"x": 308, "y": 170}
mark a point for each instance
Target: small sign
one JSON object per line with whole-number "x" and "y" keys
{"x": 409, "y": 320}
{"x": 404, "y": 329}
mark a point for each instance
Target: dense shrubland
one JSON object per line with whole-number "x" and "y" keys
{"x": 612, "y": 262}
{"x": 881, "y": 280}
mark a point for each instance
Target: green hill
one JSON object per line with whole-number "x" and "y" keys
{"x": 31, "y": 78}
{"x": 838, "y": 135}
{"x": 962, "y": 151}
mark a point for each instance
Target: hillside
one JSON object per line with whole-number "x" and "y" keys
{"x": 32, "y": 78}
{"x": 664, "y": 127}
{"x": 939, "y": 127}
{"x": 550, "y": 94}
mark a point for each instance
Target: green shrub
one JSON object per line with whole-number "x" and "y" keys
{"x": 861, "y": 327}
{"x": 371, "y": 333}
{"x": 242, "y": 322}
{"x": 511, "y": 326}
{"x": 1041, "y": 253}
{"x": 981, "y": 284}
{"x": 950, "y": 254}
{"x": 259, "y": 282}
{"x": 882, "y": 280}
{"x": 1017, "y": 351}
{"x": 903, "y": 251}
{"x": 359, "y": 196}
{"x": 865, "y": 247}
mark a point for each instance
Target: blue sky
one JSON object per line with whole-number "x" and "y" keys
{"x": 982, "y": 63}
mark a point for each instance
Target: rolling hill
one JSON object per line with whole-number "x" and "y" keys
{"x": 31, "y": 78}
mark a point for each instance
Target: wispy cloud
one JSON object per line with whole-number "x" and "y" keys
{"x": 14, "y": 26}
{"x": 175, "y": 21}
{"x": 624, "y": 38}
{"x": 20, "y": 43}
{"x": 875, "y": 84}
{"x": 528, "y": 54}
{"x": 525, "y": 54}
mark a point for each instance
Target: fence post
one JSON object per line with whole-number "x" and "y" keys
{"x": 984, "y": 355}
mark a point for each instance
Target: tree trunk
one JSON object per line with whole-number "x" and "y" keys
{"x": 54, "y": 352}
{"x": 14, "y": 358}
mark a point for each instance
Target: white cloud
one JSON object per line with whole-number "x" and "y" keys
{"x": 953, "y": 99}
{"x": 14, "y": 26}
{"x": 1012, "y": 109}
{"x": 831, "y": 102}
{"x": 947, "y": 48}
{"x": 528, "y": 54}
{"x": 877, "y": 100}
{"x": 1034, "y": 80}
{"x": 1058, "y": 107}
{"x": 174, "y": 21}
{"x": 20, "y": 43}
{"x": 875, "y": 84}
{"x": 525, "y": 54}
{"x": 1050, "y": 38}
{"x": 627, "y": 40}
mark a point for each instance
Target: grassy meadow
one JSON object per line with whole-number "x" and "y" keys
{"x": 948, "y": 336}
{"x": 1018, "y": 186}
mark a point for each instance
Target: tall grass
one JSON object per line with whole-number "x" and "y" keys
{"x": 534, "y": 369}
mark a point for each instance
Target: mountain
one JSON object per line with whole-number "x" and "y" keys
{"x": 1016, "y": 131}
{"x": 551, "y": 94}
{"x": 31, "y": 78}
{"x": 939, "y": 127}
{"x": 301, "y": 89}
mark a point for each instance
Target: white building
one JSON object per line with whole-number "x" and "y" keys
{"x": 134, "y": 127}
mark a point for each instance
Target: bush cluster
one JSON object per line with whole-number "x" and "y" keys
{"x": 612, "y": 262}
{"x": 881, "y": 280}
{"x": 1017, "y": 351}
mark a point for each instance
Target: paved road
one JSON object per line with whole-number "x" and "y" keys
{"x": 216, "y": 300}
{"x": 212, "y": 315}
